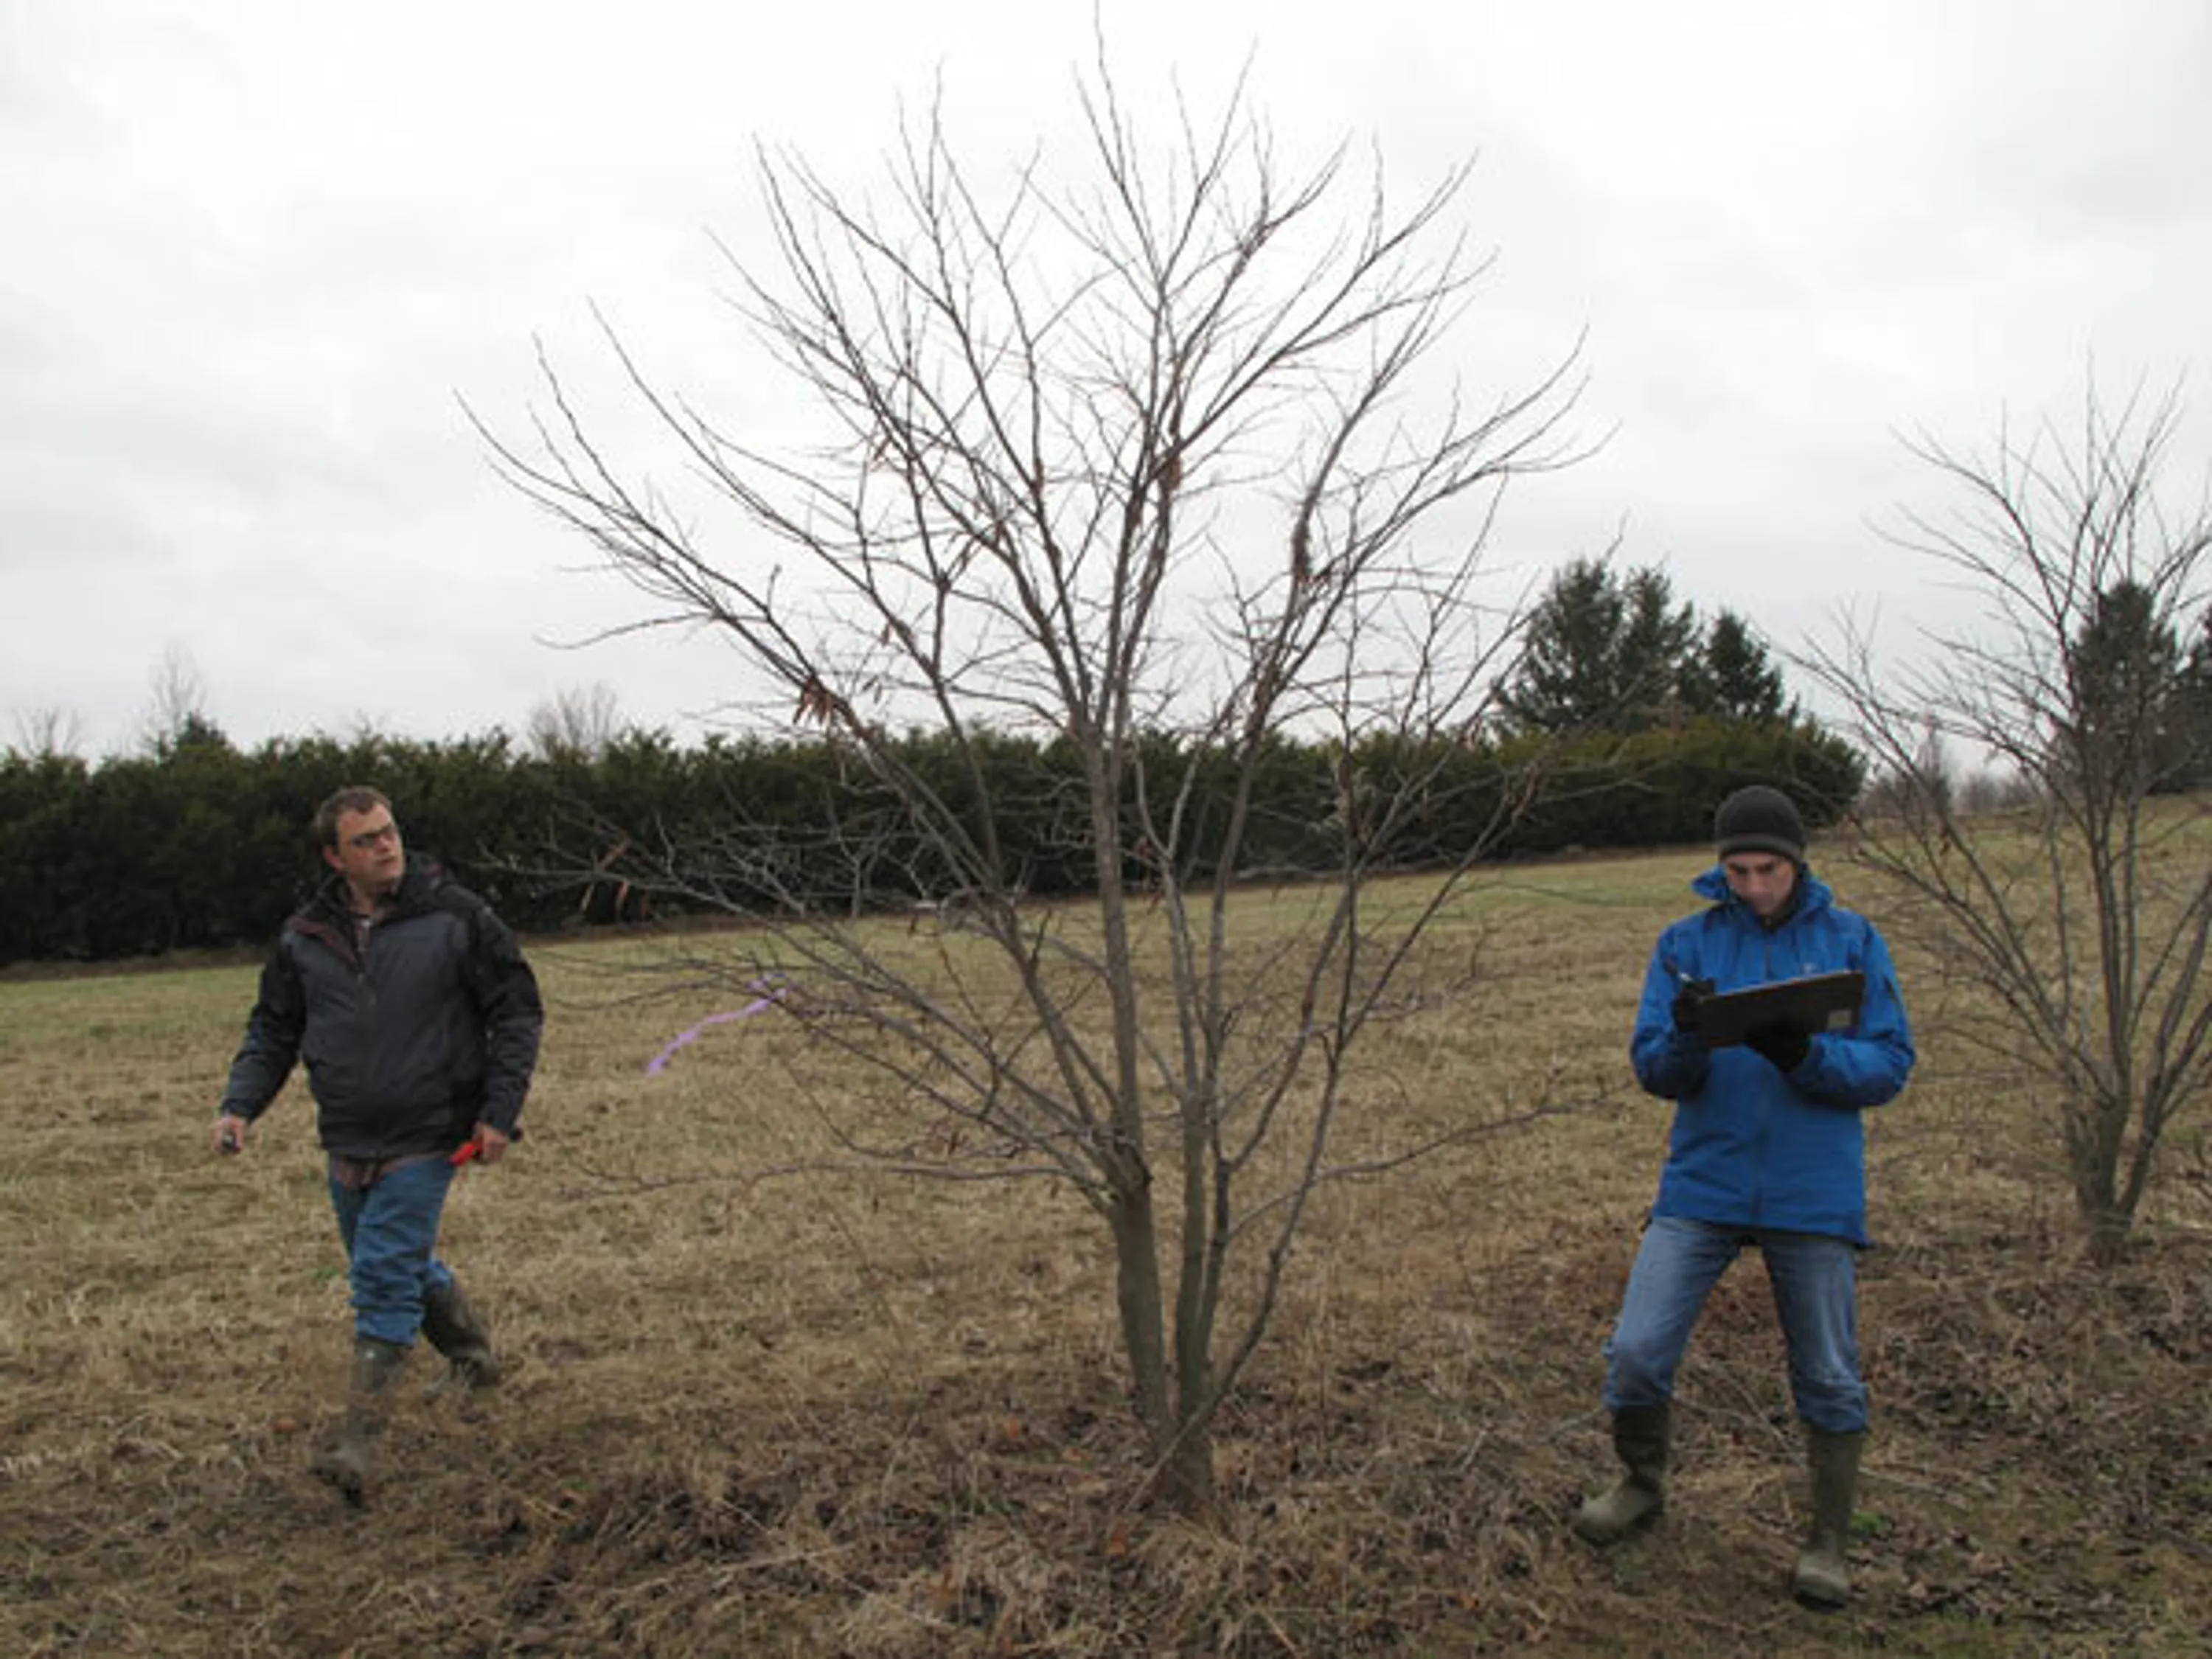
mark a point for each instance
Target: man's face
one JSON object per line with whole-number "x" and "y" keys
{"x": 1762, "y": 881}
{"x": 369, "y": 853}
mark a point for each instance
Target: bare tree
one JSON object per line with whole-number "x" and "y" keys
{"x": 50, "y": 732}
{"x": 576, "y": 723}
{"x": 2083, "y": 915}
{"x": 179, "y": 716}
{"x": 1128, "y": 467}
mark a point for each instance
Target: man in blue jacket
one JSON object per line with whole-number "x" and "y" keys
{"x": 1767, "y": 1149}
{"x": 419, "y": 1022}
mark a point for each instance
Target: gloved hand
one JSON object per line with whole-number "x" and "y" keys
{"x": 1689, "y": 1005}
{"x": 1782, "y": 1046}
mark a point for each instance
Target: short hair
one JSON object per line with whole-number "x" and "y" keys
{"x": 354, "y": 798}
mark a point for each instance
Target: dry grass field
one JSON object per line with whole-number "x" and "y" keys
{"x": 810, "y": 1413}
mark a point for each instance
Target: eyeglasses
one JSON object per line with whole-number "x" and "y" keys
{"x": 377, "y": 837}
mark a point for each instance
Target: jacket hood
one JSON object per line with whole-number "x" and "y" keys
{"x": 1812, "y": 893}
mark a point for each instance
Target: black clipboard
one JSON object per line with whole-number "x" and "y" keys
{"x": 1816, "y": 1003}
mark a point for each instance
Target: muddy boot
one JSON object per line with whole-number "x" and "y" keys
{"x": 348, "y": 1463}
{"x": 451, "y": 1327}
{"x": 1823, "y": 1579}
{"x": 1640, "y": 1437}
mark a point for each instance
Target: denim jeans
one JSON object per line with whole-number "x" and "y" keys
{"x": 1816, "y": 1284}
{"x": 391, "y": 1234}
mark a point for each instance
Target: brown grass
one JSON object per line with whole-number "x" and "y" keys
{"x": 817, "y": 1415}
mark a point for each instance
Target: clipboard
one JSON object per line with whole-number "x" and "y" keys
{"x": 1816, "y": 1003}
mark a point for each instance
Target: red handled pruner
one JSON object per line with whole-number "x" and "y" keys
{"x": 468, "y": 1149}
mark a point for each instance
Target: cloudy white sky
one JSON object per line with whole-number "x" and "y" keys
{"x": 255, "y": 250}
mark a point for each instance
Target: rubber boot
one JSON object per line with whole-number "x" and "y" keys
{"x": 1823, "y": 1578}
{"x": 349, "y": 1463}
{"x": 1640, "y": 1436}
{"x": 451, "y": 1327}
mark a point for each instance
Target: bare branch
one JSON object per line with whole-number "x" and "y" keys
{"x": 2081, "y": 915}
{"x": 1142, "y": 469}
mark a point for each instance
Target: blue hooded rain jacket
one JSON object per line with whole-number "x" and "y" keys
{"x": 1751, "y": 1147}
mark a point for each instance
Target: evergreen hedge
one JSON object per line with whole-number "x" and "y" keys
{"x": 204, "y": 845}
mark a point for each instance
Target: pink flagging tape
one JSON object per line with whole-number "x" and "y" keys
{"x": 766, "y": 1001}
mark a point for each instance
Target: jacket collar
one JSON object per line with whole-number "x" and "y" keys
{"x": 416, "y": 886}
{"x": 1812, "y": 893}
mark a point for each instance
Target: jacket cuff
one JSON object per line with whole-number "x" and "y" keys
{"x": 1688, "y": 1062}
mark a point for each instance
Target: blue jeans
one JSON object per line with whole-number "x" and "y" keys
{"x": 391, "y": 1234}
{"x": 1816, "y": 1284}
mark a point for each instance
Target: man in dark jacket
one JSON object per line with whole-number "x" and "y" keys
{"x": 1767, "y": 1149}
{"x": 419, "y": 1021}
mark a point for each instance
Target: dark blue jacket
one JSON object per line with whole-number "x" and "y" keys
{"x": 409, "y": 1042}
{"x": 1750, "y": 1146}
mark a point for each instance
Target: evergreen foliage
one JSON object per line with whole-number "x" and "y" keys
{"x": 1610, "y": 652}
{"x": 202, "y": 845}
{"x": 2196, "y": 710}
{"x": 1739, "y": 681}
{"x": 2131, "y": 692}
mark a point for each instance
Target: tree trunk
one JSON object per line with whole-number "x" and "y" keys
{"x": 1137, "y": 1288}
{"x": 1186, "y": 1476}
{"x": 1182, "y": 1447}
{"x": 2109, "y": 1230}
{"x": 2106, "y": 1219}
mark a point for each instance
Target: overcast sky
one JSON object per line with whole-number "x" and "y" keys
{"x": 256, "y": 249}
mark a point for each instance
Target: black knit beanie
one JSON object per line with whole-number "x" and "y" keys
{"x": 1758, "y": 819}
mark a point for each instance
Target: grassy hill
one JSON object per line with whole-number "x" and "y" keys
{"x": 759, "y": 1405}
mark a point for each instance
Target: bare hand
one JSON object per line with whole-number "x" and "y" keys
{"x": 491, "y": 1145}
{"x": 230, "y": 1133}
